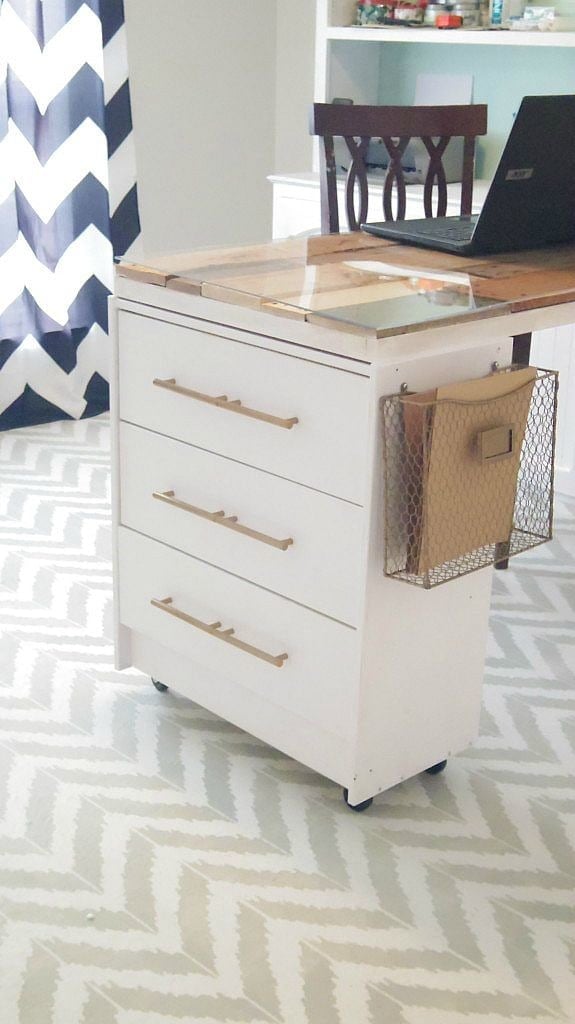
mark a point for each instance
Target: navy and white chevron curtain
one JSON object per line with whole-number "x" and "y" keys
{"x": 68, "y": 202}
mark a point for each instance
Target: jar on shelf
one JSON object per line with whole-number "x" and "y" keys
{"x": 468, "y": 11}
{"x": 484, "y": 13}
{"x": 432, "y": 10}
{"x": 410, "y": 11}
{"x": 374, "y": 12}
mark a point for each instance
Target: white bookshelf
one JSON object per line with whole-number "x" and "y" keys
{"x": 461, "y": 37}
{"x": 348, "y": 57}
{"x": 349, "y": 61}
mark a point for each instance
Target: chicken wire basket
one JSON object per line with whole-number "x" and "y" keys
{"x": 468, "y": 474}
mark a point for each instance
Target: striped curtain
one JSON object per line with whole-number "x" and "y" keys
{"x": 68, "y": 202}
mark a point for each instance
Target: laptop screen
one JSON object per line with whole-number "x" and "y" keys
{"x": 531, "y": 199}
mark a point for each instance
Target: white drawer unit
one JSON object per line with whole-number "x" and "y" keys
{"x": 302, "y": 421}
{"x": 288, "y": 538}
{"x": 249, "y": 530}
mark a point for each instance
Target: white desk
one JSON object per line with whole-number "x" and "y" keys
{"x": 382, "y": 680}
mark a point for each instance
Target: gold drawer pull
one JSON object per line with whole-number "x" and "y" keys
{"x": 215, "y": 629}
{"x": 222, "y": 519}
{"x": 223, "y": 402}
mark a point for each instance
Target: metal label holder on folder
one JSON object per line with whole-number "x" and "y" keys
{"x": 496, "y": 443}
{"x": 468, "y": 473}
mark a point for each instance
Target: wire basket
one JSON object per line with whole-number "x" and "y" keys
{"x": 468, "y": 479}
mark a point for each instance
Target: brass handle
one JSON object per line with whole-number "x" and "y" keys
{"x": 215, "y": 629}
{"x": 223, "y": 520}
{"x": 223, "y": 402}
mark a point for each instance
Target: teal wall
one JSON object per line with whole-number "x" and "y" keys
{"x": 502, "y": 75}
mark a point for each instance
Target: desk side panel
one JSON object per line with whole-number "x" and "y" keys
{"x": 423, "y": 651}
{"x": 122, "y": 652}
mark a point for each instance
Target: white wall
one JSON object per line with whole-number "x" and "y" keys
{"x": 294, "y": 84}
{"x": 203, "y": 86}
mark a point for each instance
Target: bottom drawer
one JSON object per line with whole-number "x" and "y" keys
{"x": 318, "y": 678}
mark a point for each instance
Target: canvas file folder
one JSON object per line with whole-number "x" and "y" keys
{"x": 463, "y": 443}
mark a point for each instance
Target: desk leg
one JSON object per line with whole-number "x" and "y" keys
{"x": 520, "y": 357}
{"x": 521, "y": 349}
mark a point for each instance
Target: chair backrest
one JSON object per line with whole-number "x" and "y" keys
{"x": 396, "y": 127}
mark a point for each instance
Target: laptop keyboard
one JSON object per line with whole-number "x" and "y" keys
{"x": 455, "y": 230}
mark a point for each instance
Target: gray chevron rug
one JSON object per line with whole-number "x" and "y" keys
{"x": 158, "y": 865}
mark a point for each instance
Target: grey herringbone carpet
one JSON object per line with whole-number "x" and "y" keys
{"x": 158, "y": 866}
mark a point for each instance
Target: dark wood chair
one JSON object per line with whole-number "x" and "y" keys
{"x": 396, "y": 127}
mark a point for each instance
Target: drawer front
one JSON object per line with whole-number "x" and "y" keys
{"x": 298, "y": 542}
{"x": 325, "y": 449}
{"x": 316, "y": 681}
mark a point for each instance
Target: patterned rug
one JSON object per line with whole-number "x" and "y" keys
{"x": 157, "y": 865}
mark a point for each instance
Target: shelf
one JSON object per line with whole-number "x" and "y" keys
{"x": 470, "y": 37}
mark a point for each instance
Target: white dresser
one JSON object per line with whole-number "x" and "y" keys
{"x": 249, "y": 523}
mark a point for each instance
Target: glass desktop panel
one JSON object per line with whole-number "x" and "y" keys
{"x": 367, "y": 288}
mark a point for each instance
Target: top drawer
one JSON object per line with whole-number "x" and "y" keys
{"x": 325, "y": 448}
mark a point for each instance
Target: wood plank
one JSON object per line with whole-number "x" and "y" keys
{"x": 426, "y": 259}
{"x": 375, "y": 291}
{"x": 557, "y": 256}
{"x": 349, "y": 241}
{"x": 221, "y": 293}
{"x": 139, "y": 272}
{"x": 490, "y": 269}
{"x": 282, "y": 309}
{"x": 339, "y": 325}
{"x": 357, "y": 255}
{"x": 277, "y": 252}
{"x": 270, "y": 284}
{"x": 530, "y": 288}
{"x": 309, "y": 286}
{"x": 511, "y": 264}
{"x": 499, "y": 265}
{"x": 538, "y": 302}
{"x": 184, "y": 284}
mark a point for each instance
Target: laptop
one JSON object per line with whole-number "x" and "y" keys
{"x": 531, "y": 200}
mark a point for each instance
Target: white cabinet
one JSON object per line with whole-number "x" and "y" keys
{"x": 248, "y": 533}
{"x": 296, "y": 202}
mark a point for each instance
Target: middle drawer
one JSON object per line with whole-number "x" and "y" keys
{"x": 170, "y": 490}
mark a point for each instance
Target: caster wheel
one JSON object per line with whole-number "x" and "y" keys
{"x": 436, "y": 768}
{"x": 357, "y": 807}
{"x": 161, "y": 687}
